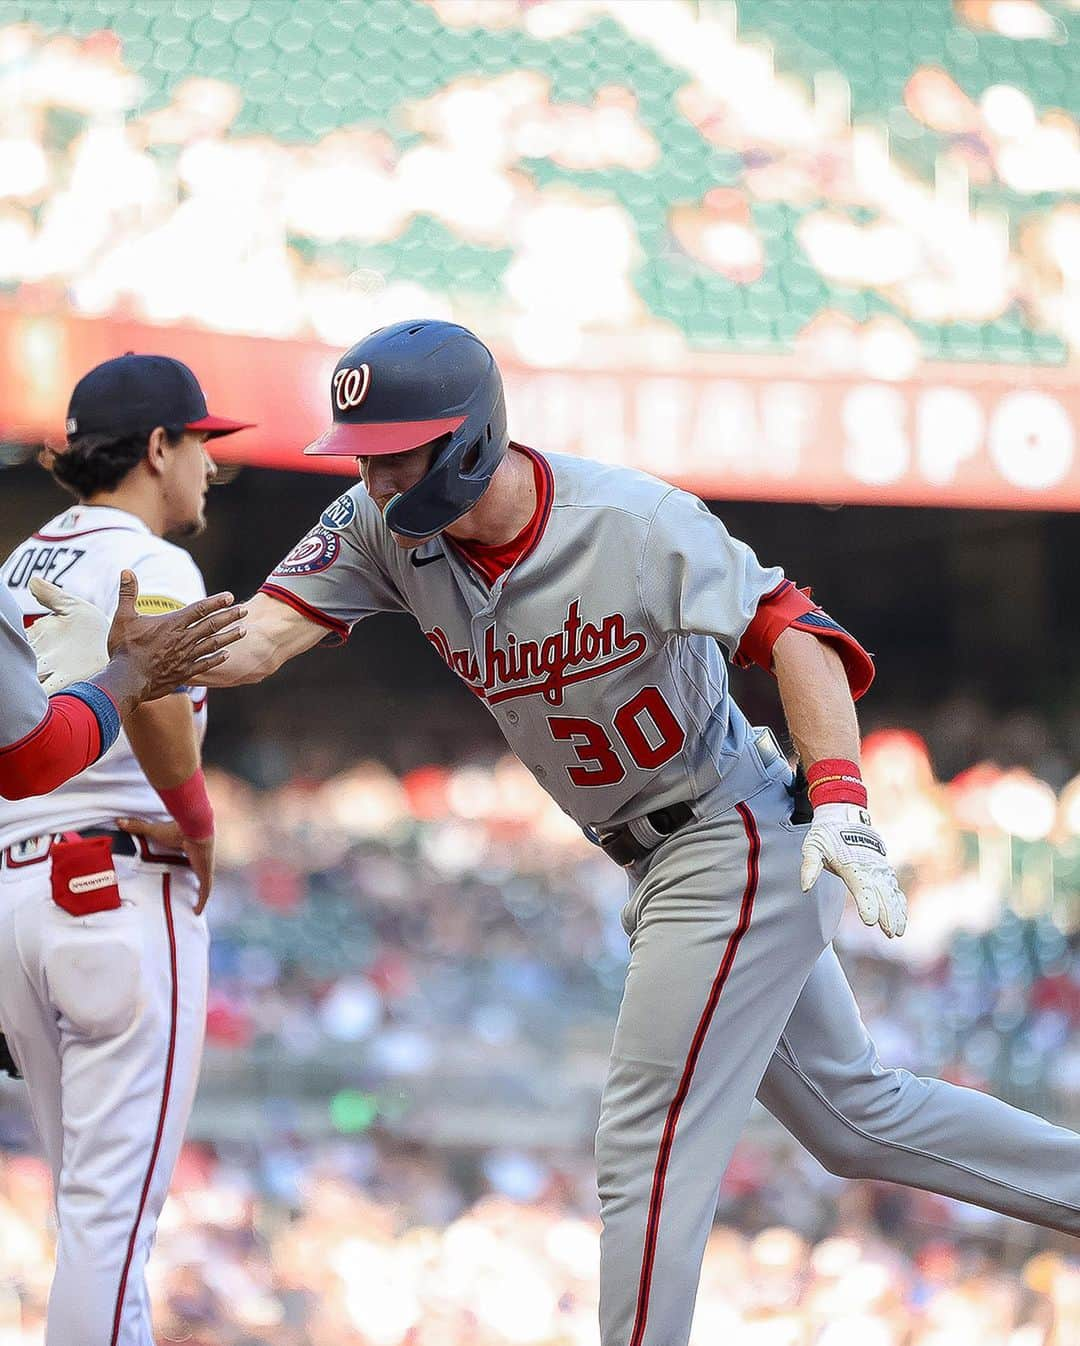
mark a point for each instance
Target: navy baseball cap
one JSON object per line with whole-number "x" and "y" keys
{"x": 134, "y": 393}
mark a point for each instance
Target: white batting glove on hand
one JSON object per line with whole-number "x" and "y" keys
{"x": 71, "y": 644}
{"x": 842, "y": 841}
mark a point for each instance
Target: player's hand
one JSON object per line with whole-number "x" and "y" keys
{"x": 842, "y": 841}
{"x": 152, "y": 655}
{"x": 71, "y": 644}
{"x": 166, "y": 652}
{"x": 168, "y": 837}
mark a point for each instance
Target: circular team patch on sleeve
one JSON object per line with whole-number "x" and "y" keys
{"x": 340, "y": 514}
{"x": 318, "y": 551}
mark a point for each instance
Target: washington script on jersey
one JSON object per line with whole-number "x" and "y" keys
{"x": 526, "y": 667}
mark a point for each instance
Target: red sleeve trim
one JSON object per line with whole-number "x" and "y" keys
{"x": 66, "y": 741}
{"x": 787, "y": 606}
{"x": 297, "y": 604}
{"x": 775, "y": 613}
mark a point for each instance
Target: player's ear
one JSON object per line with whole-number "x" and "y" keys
{"x": 157, "y": 446}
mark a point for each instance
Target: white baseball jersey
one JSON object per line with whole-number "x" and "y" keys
{"x": 84, "y": 550}
{"x": 23, "y": 704}
{"x": 597, "y": 653}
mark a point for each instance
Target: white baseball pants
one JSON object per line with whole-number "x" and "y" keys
{"x": 105, "y": 1015}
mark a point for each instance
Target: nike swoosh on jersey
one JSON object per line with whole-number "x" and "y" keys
{"x": 419, "y": 561}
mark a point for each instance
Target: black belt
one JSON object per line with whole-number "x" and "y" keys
{"x": 625, "y": 848}
{"x": 121, "y": 843}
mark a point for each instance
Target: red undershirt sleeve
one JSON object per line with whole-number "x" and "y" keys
{"x": 788, "y": 606}
{"x": 66, "y": 741}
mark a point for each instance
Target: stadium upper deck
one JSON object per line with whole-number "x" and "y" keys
{"x": 658, "y": 176}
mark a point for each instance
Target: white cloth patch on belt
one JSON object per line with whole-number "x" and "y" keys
{"x": 90, "y": 883}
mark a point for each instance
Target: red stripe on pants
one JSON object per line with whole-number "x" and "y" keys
{"x": 166, "y": 1085}
{"x": 667, "y": 1140}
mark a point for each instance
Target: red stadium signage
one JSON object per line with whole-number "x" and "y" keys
{"x": 738, "y": 427}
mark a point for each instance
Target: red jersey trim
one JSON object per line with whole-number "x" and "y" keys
{"x": 787, "y": 606}
{"x": 490, "y": 561}
{"x": 85, "y": 532}
{"x": 544, "y": 507}
{"x": 775, "y": 613}
{"x": 297, "y": 604}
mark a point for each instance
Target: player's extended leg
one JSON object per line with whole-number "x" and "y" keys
{"x": 132, "y": 1010}
{"x": 719, "y": 952}
{"x": 827, "y": 1087}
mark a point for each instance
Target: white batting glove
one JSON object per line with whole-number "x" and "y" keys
{"x": 842, "y": 841}
{"x": 71, "y": 643}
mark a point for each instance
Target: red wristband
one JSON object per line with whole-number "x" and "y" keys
{"x": 190, "y": 805}
{"x": 835, "y": 780}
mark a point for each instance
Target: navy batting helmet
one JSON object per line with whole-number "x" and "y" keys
{"x": 407, "y": 385}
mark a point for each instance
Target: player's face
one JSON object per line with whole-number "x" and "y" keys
{"x": 188, "y": 475}
{"x": 390, "y": 474}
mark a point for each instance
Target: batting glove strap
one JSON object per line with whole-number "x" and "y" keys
{"x": 842, "y": 840}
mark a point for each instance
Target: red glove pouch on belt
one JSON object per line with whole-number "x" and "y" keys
{"x": 83, "y": 877}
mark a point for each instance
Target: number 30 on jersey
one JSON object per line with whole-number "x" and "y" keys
{"x": 644, "y": 725}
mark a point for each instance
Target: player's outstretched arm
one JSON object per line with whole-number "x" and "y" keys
{"x": 81, "y": 719}
{"x": 274, "y": 633}
{"x": 137, "y": 658}
{"x": 821, "y": 716}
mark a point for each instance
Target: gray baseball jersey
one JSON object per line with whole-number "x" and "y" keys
{"x": 601, "y": 655}
{"x": 597, "y": 654}
{"x": 23, "y": 704}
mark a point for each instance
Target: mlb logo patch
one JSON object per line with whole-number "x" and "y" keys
{"x": 340, "y": 514}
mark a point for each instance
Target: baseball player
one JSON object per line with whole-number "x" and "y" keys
{"x": 593, "y": 609}
{"x": 103, "y": 945}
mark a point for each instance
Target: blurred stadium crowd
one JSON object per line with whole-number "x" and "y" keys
{"x": 868, "y": 184}
{"x": 228, "y": 1271}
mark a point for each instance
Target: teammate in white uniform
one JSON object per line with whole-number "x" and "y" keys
{"x": 594, "y": 609}
{"x": 45, "y": 740}
{"x": 103, "y": 947}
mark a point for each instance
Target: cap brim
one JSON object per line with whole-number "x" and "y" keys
{"x": 369, "y": 441}
{"x": 213, "y": 427}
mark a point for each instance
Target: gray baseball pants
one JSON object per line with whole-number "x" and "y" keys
{"x": 733, "y": 990}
